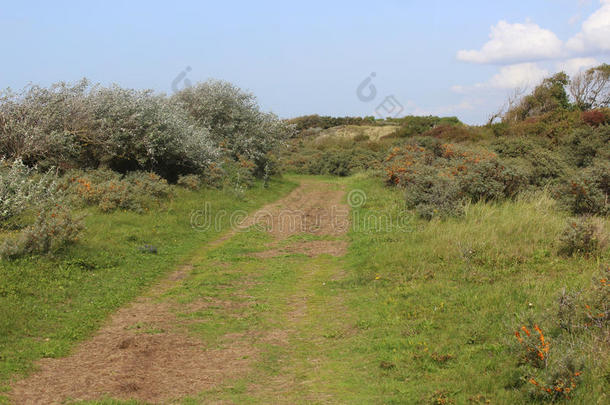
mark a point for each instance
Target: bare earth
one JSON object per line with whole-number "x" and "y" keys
{"x": 143, "y": 351}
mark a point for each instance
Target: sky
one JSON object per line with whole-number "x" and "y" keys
{"x": 340, "y": 58}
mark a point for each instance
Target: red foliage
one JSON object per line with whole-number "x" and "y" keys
{"x": 595, "y": 118}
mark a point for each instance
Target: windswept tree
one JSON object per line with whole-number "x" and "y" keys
{"x": 548, "y": 96}
{"x": 591, "y": 88}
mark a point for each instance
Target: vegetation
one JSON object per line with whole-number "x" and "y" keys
{"x": 476, "y": 271}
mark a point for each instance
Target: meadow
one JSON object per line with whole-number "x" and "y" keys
{"x": 471, "y": 265}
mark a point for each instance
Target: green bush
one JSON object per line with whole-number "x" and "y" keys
{"x": 53, "y": 229}
{"x": 433, "y": 196}
{"x": 109, "y": 190}
{"x": 190, "y": 181}
{"x": 583, "y": 236}
{"x": 586, "y": 191}
{"x": 22, "y": 187}
{"x": 439, "y": 177}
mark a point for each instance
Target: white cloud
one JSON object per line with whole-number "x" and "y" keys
{"x": 594, "y": 36}
{"x": 513, "y": 43}
{"x": 575, "y": 65}
{"x": 518, "y": 76}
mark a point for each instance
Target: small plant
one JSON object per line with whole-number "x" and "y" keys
{"x": 582, "y": 236}
{"x": 54, "y": 229}
{"x": 551, "y": 379}
{"x": 535, "y": 344}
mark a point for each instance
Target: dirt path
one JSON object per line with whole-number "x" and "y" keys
{"x": 145, "y": 351}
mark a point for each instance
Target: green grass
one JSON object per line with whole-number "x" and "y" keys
{"x": 425, "y": 311}
{"x": 48, "y": 303}
{"x": 458, "y": 288}
{"x": 416, "y": 312}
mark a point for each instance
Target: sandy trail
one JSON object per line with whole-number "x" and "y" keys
{"x": 143, "y": 352}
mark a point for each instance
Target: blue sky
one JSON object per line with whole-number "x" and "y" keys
{"x": 435, "y": 57}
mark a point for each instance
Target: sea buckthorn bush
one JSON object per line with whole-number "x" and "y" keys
{"x": 552, "y": 368}
{"x": 21, "y": 187}
{"x": 189, "y": 181}
{"x": 109, "y": 190}
{"x": 439, "y": 177}
{"x": 54, "y": 228}
{"x": 587, "y": 191}
{"x": 583, "y": 236}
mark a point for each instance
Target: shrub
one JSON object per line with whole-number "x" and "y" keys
{"x": 433, "y": 196}
{"x": 86, "y": 126}
{"x": 190, "y": 181}
{"x": 491, "y": 180}
{"x": 587, "y": 308}
{"x": 21, "y": 188}
{"x": 583, "y": 146}
{"x": 235, "y": 121}
{"x": 109, "y": 191}
{"x": 439, "y": 177}
{"x": 583, "y": 236}
{"x": 586, "y": 191}
{"x": 596, "y": 118}
{"x": 53, "y": 229}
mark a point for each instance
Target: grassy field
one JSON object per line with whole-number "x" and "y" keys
{"x": 415, "y": 312}
{"x": 47, "y": 303}
{"x": 423, "y": 312}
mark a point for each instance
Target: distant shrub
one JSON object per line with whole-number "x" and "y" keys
{"x": 596, "y": 117}
{"x": 414, "y": 126}
{"x": 584, "y": 145}
{"x": 361, "y": 138}
{"x": 433, "y": 196}
{"x": 53, "y": 229}
{"x": 190, "y": 181}
{"x": 586, "y": 191}
{"x": 533, "y": 159}
{"x": 583, "y": 236}
{"x": 439, "y": 177}
{"x": 314, "y": 121}
{"x": 453, "y": 132}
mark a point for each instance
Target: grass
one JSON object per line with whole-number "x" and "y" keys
{"x": 416, "y": 312}
{"x": 425, "y": 312}
{"x": 48, "y": 303}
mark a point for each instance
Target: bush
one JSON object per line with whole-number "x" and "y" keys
{"x": 583, "y": 236}
{"x": 22, "y": 188}
{"x": 190, "y": 181}
{"x": 585, "y": 145}
{"x": 439, "y": 177}
{"x": 235, "y": 121}
{"x": 109, "y": 191}
{"x": 586, "y": 191}
{"x": 54, "y": 229}
{"x": 433, "y": 196}
{"x": 596, "y": 117}
{"x": 86, "y": 126}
